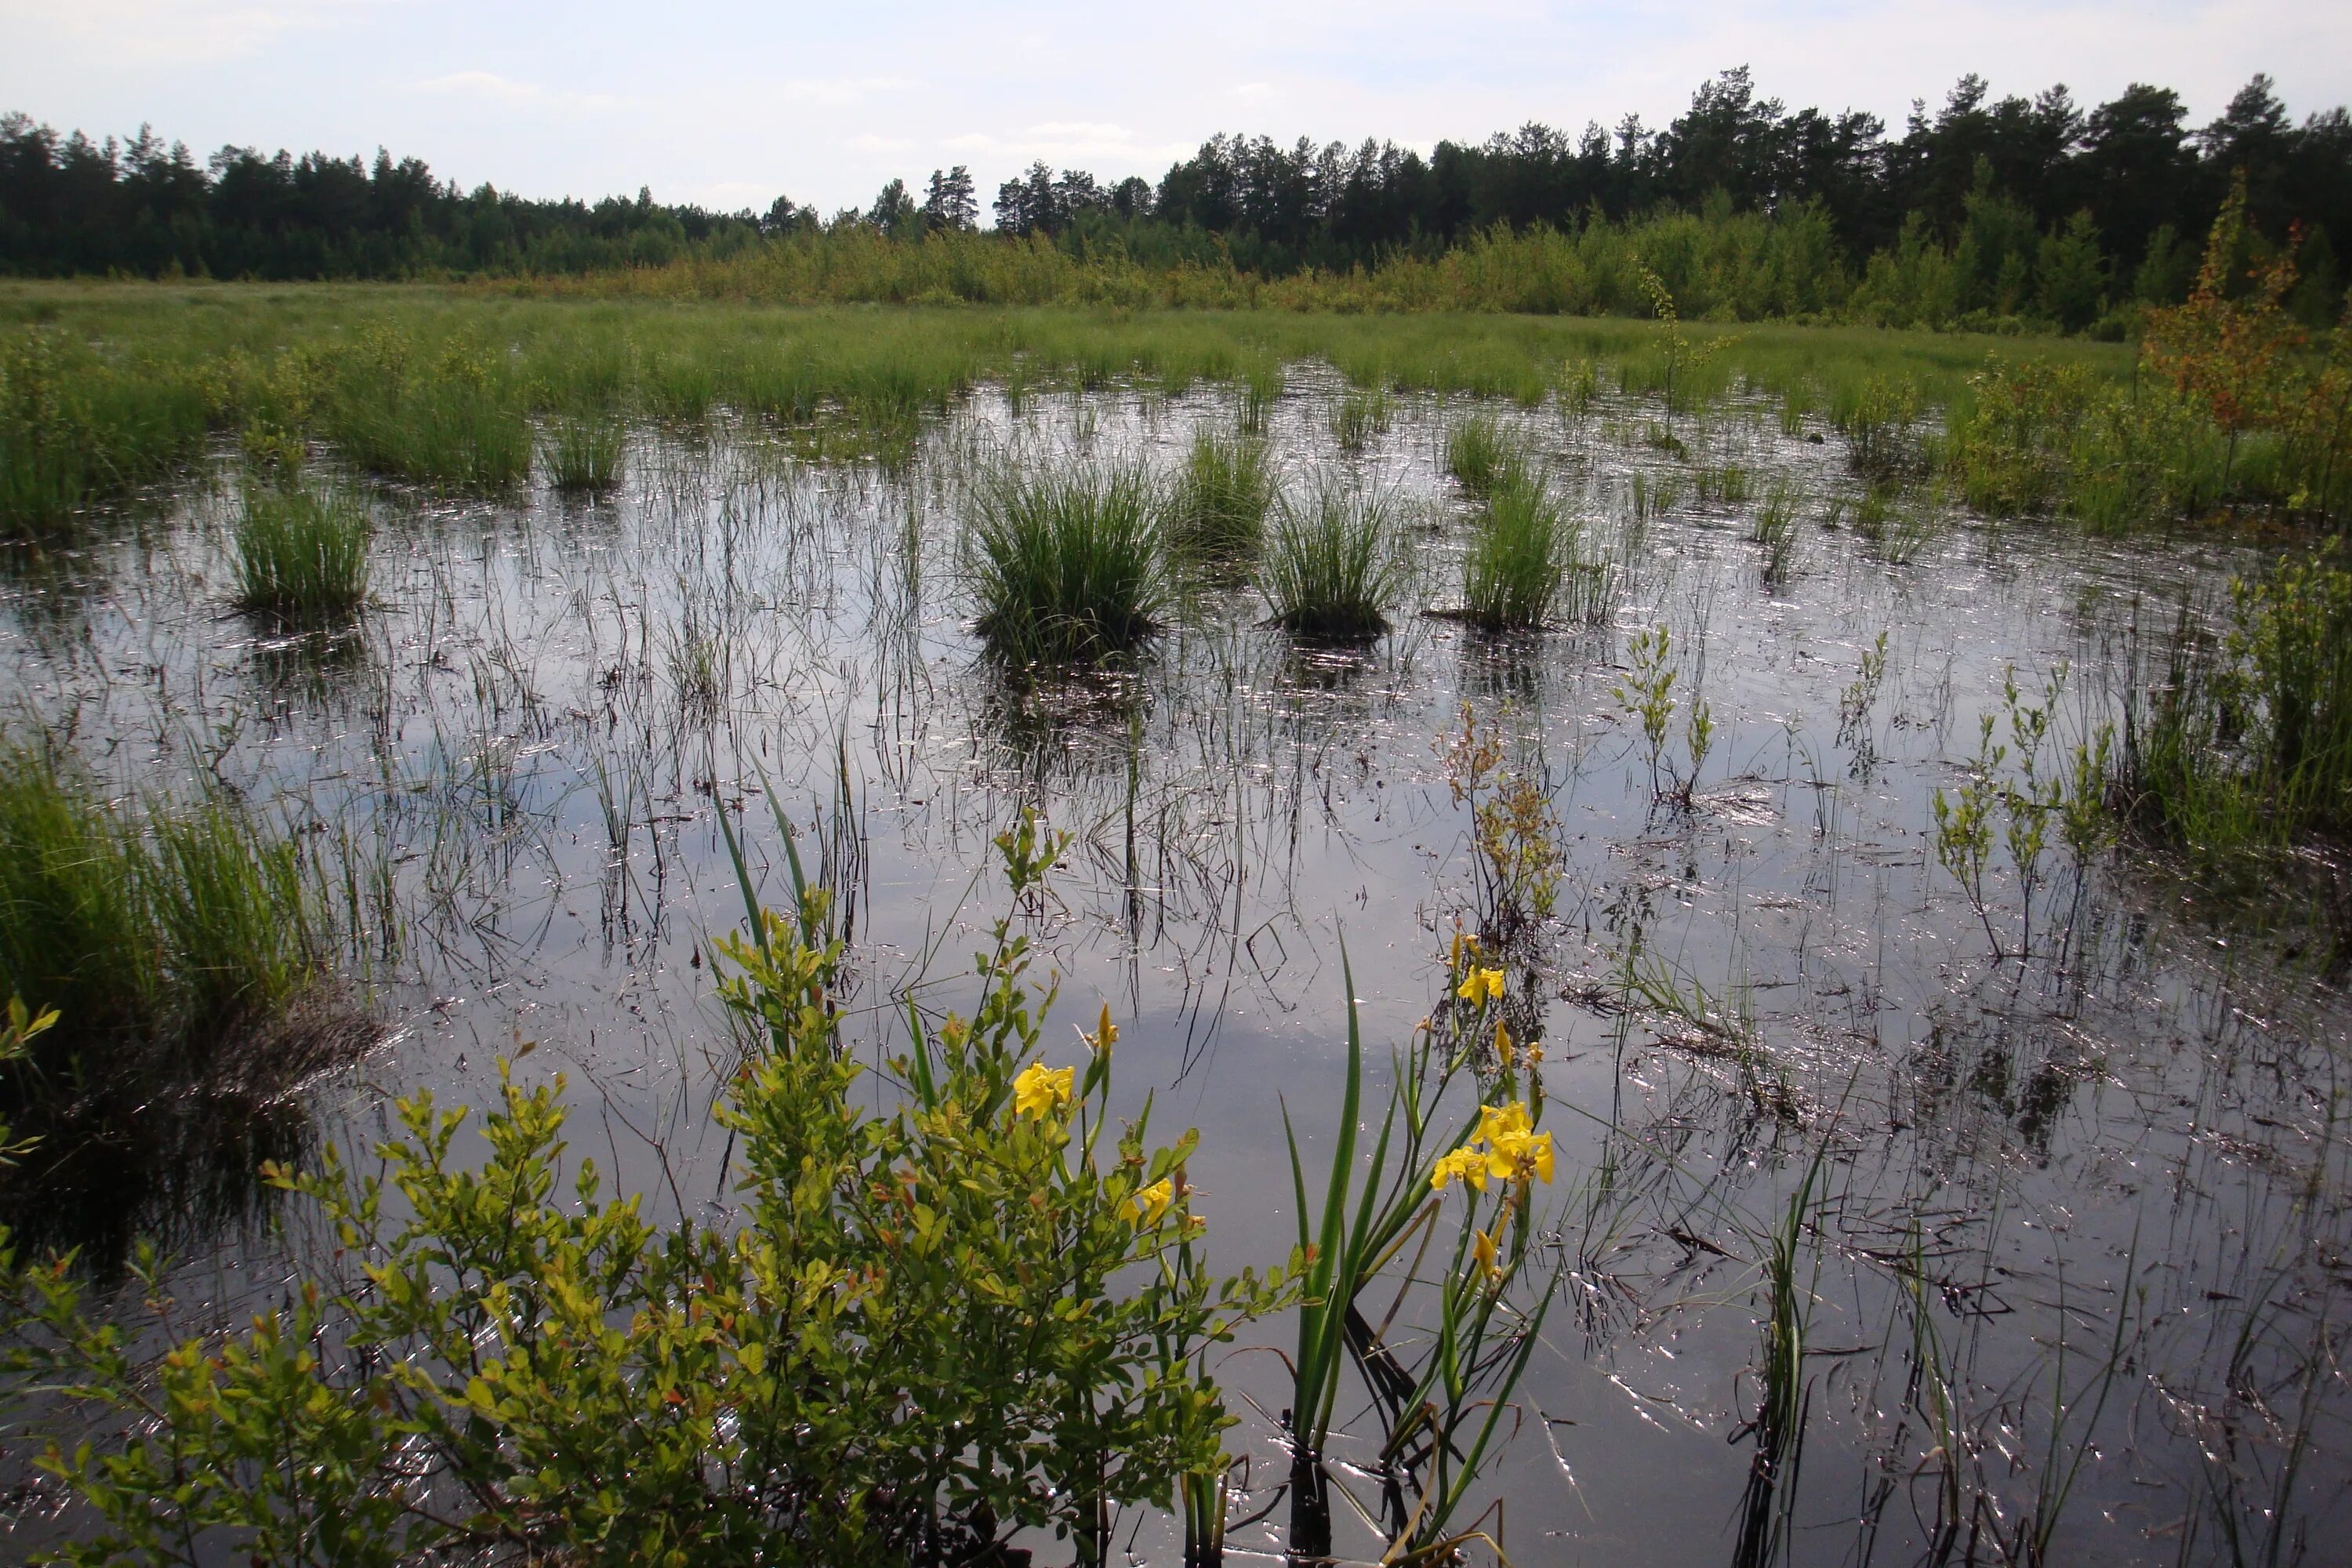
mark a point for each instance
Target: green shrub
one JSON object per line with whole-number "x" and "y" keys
{"x": 301, "y": 551}
{"x": 1331, "y": 565}
{"x": 1065, "y": 561}
{"x": 976, "y": 1309}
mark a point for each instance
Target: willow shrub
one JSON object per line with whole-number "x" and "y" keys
{"x": 980, "y": 1310}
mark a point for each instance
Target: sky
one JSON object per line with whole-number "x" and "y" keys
{"x": 731, "y": 104}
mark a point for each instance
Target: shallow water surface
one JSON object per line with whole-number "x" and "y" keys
{"x": 2093, "y": 1192}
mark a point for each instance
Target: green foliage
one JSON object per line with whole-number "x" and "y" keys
{"x": 976, "y": 1309}
{"x": 1443, "y": 1389}
{"x": 1223, "y": 494}
{"x": 2246, "y": 745}
{"x": 162, "y": 936}
{"x": 1064, "y": 560}
{"x": 1515, "y": 833}
{"x": 1331, "y": 567}
{"x": 1522, "y": 552}
{"x": 2017, "y": 786}
{"x": 78, "y": 430}
{"x": 302, "y": 552}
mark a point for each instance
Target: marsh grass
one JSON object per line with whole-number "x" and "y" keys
{"x": 1481, "y": 455}
{"x": 165, "y": 936}
{"x": 77, "y": 431}
{"x": 1331, "y": 568}
{"x": 1066, "y": 561}
{"x": 302, "y": 552}
{"x": 1361, "y": 416}
{"x": 583, "y": 452}
{"x": 1774, "y": 527}
{"x": 1522, "y": 552}
{"x": 1262, "y": 384}
{"x": 1221, "y": 496}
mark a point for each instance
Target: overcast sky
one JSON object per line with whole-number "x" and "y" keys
{"x": 730, "y": 104}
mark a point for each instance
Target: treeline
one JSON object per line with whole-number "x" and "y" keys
{"x": 1989, "y": 212}
{"x": 72, "y": 207}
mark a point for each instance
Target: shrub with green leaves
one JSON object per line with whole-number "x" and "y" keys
{"x": 301, "y": 550}
{"x": 979, "y": 1308}
{"x": 1065, "y": 561}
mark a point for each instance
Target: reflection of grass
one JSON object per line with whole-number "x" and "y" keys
{"x": 1330, "y": 563}
{"x": 1065, "y": 561}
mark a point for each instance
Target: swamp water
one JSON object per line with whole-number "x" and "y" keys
{"x": 2073, "y": 1258}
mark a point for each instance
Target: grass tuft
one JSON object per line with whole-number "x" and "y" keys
{"x": 162, "y": 937}
{"x": 583, "y": 454}
{"x": 1065, "y": 561}
{"x": 302, "y": 552}
{"x": 1480, "y": 455}
{"x": 1221, "y": 497}
{"x": 1525, "y": 546}
{"x": 1331, "y": 565}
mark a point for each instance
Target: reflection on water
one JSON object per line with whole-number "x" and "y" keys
{"x": 509, "y": 782}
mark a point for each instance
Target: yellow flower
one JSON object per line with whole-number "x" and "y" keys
{"x": 1040, "y": 1089}
{"x": 1481, "y": 984}
{"x": 1503, "y": 1050}
{"x": 1496, "y": 1123}
{"x": 1465, "y": 1165}
{"x": 1105, "y": 1033}
{"x": 1146, "y": 1206}
{"x": 1484, "y": 1245}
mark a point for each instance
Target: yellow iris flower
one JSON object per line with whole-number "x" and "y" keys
{"x": 1484, "y": 1245}
{"x": 1463, "y": 1166}
{"x": 1145, "y": 1207}
{"x": 1481, "y": 984}
{"x": 1041, "y": 1090}
{"x": 1505, "y": 1148}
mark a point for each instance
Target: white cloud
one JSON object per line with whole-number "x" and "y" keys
{"x": 871, "y": 144}
{"x": 487, "y": 86}
{"x": 186, "y": 31}
{"x": 840, "y": 90}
